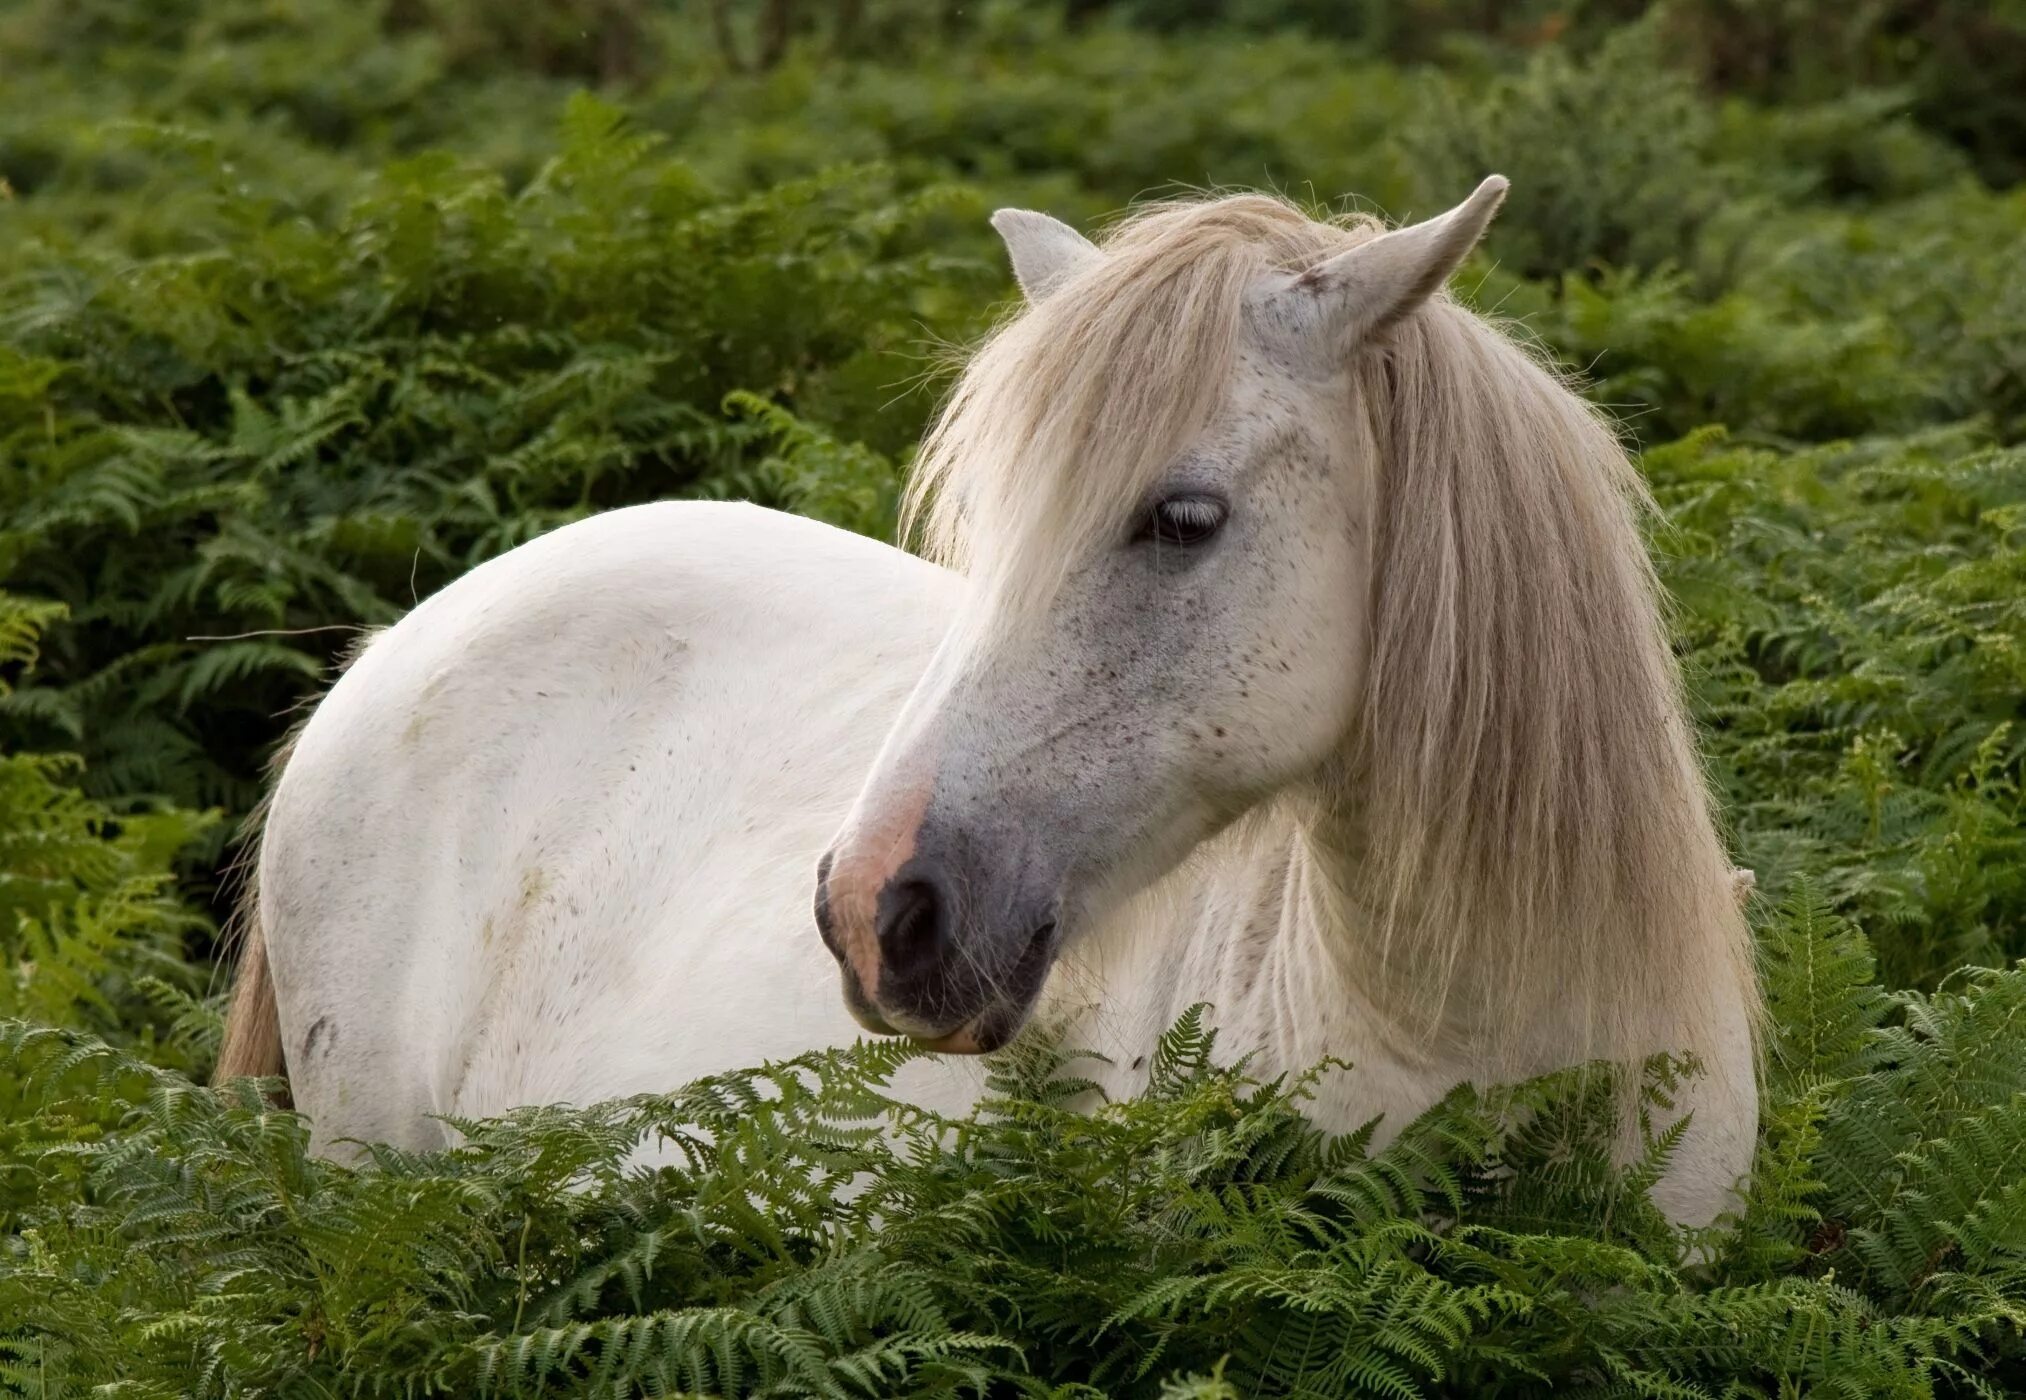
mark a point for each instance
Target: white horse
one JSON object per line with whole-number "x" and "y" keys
{"x": 1292, "y": 648}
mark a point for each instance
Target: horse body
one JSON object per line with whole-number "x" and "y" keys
{"x": 550, "y": 835}
{"x": 1299, "y": 656}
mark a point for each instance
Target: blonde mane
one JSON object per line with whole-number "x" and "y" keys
{"x": 1526, "y": 819}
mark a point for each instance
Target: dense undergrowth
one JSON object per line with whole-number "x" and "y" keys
{"x": 1199, "y": 1241}
{"x": 307, "y": 306}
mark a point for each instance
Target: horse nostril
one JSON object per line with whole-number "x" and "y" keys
{"x": 825, "y": 924}
{"x": 911, "y": 927}
{"x": 1038, "y": 944}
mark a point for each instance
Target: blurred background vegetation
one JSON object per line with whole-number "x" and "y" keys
{"x": 306, "y": 306}
{"x": 311, "y": 304}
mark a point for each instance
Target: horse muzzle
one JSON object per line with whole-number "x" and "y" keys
{"x": 916, "y": 960}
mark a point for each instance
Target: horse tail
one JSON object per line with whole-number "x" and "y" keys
{"x": 253, "y": 1026}
{"x": 252, "y": 1043}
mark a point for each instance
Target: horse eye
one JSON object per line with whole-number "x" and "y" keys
{"x": 1184, "y": 520}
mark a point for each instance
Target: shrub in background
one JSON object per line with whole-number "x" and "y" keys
{"x": 91, "y": 927}
{"x": 290, "y": 424}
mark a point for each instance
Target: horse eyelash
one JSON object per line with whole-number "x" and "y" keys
{"x": 1194, "y": 510}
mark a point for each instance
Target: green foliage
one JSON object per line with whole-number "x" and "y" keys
{"x": 269, "y": 370}
{"x": 1954, "y": 63}
{"x": 307, "y": 306}
{"x": 90, "y": 932}
{"x": 202, "y": 440}
{"x": 1854, "y": 618}
{"x": 793, "y": 1231}
{"x": 1607, "y": 189}
{"x": 1864, "y": 322}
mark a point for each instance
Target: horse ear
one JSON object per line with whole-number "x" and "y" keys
{"x": 1046, "y": 252}
{"x": 1335, "y": 304}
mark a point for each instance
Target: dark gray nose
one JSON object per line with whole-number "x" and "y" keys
{"x": 916, "y": 923}
{"x": 926, "y": 967}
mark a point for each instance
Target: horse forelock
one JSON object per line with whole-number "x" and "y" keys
{"x": 1069, "y": 413}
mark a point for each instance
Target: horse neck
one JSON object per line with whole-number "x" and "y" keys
{"x": 1271, "y": 935}
{"x": 1451, "y": 1016}
{"x": 1247, "y": 924}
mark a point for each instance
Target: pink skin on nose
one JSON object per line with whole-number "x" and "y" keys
{"x": 961, "y": 1041}
{"x": 862, "y": 868}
